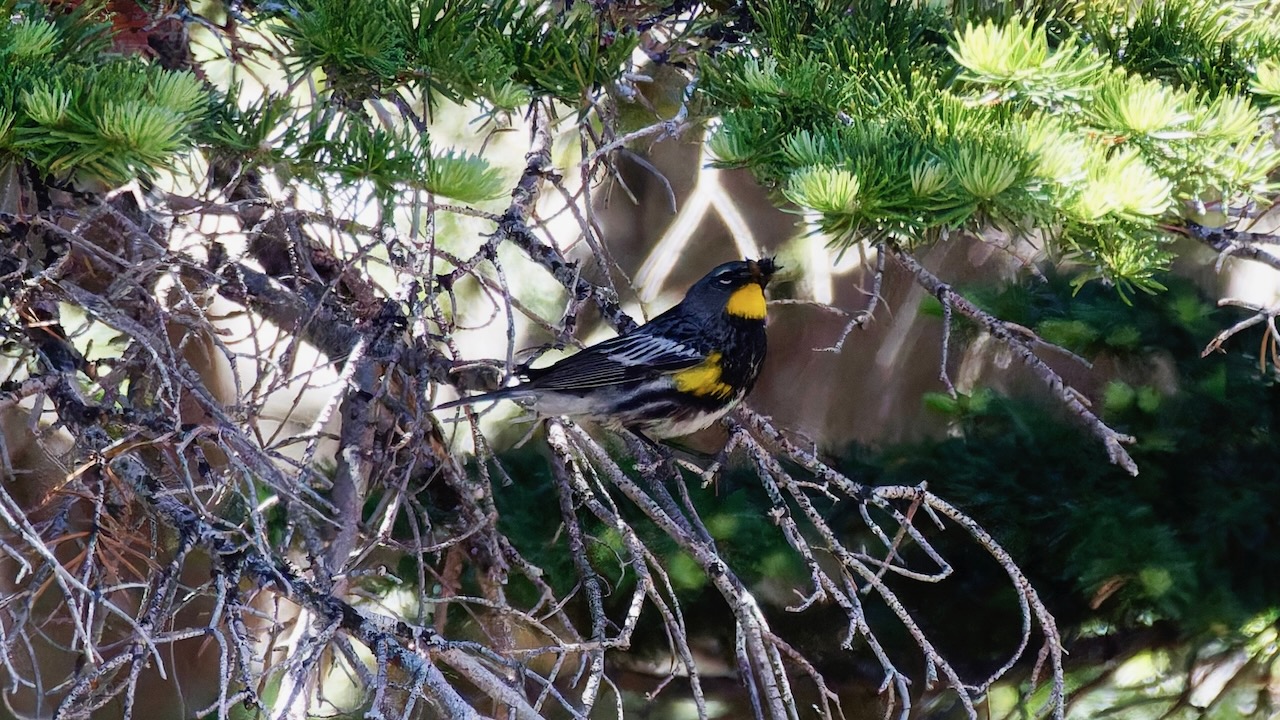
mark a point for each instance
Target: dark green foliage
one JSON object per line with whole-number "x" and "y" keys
{"x": 565, "y": 54}
{"x": 450, "y": 41}
{"x": 460, "y": 49}
{"x": 273, "y": 132}
{"x": 814, "y": 72}
{"x": 501, "y": 54}
{"x": 1204, "y": 44}
{"x": 38, "y": 44}
{"x": 355, "y": 151}
{"x": 352, "y": 41}
{"x": 899, "y": 36}
{"x": 75, "y": 112}
{"x": 259, "y": 133}
{"x": 1184, "y": 542}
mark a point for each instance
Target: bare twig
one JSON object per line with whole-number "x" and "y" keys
{"x": 1112, "y": 440}
{"x": 1262, "y": 315}
{"x": 862, "y": 317}
{"x": 514, "y": 227}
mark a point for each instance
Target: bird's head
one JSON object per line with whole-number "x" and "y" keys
{"x": 737, "y": 287}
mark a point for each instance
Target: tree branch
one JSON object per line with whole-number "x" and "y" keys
{"x": 1236, "y": 243}
{"x": 1022, "y": 348}
{"x": 514, "y": 226}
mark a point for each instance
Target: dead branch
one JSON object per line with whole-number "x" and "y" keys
{"x": 1262, "y": 315}
{"x": 1024, "y": 350}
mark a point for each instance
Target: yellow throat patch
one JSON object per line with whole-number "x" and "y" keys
{"x": 747, "y": 302}
{"x": 704, "y": 378}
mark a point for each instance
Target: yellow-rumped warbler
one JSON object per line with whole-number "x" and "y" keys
{"x": 673, "y": 376}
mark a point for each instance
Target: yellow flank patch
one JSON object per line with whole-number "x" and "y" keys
{"x": 704, "y": 378}
{"x": 747, "y": 302}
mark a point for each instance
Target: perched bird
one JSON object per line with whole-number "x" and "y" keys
{"x": 673, "y": 376}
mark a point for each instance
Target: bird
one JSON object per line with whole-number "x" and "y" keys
{"x": 671, "y": 377}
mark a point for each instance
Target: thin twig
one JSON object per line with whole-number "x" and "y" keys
{"x": 1112, "y": 440}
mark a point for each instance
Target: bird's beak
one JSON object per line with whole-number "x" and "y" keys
{"x": 763, "y": 269}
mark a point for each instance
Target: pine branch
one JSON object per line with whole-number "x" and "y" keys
{"x": 514, "y": 227}
{"x": 1024, "y": 348}
{"x": 1230, "y": 242}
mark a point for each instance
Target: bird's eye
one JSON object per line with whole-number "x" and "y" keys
{"x": 725, "y": 281}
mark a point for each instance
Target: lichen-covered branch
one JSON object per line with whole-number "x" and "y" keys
{"x": 1018, "y": 343}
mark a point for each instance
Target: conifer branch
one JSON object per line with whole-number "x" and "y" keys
{"x": 1016, "y": 340}
{"x": 1230, "y": 242}
{"x": 514, "y": 227}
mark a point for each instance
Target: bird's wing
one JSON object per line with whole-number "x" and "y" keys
{"x": 619, "y": 360}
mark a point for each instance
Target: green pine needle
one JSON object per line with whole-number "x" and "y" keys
{"x": 1121, "y": 186}
{"x": 463, "y": 177}
{"x": 930, "y": 179}
{"x": 827, "y": 190}
{"x": 982, "y": 172}
{"x": 46, "y": 105}
{"x": 1127, "y": 105}
{"x": 1266, "y": 80}
{"x": 32, "y": 41}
